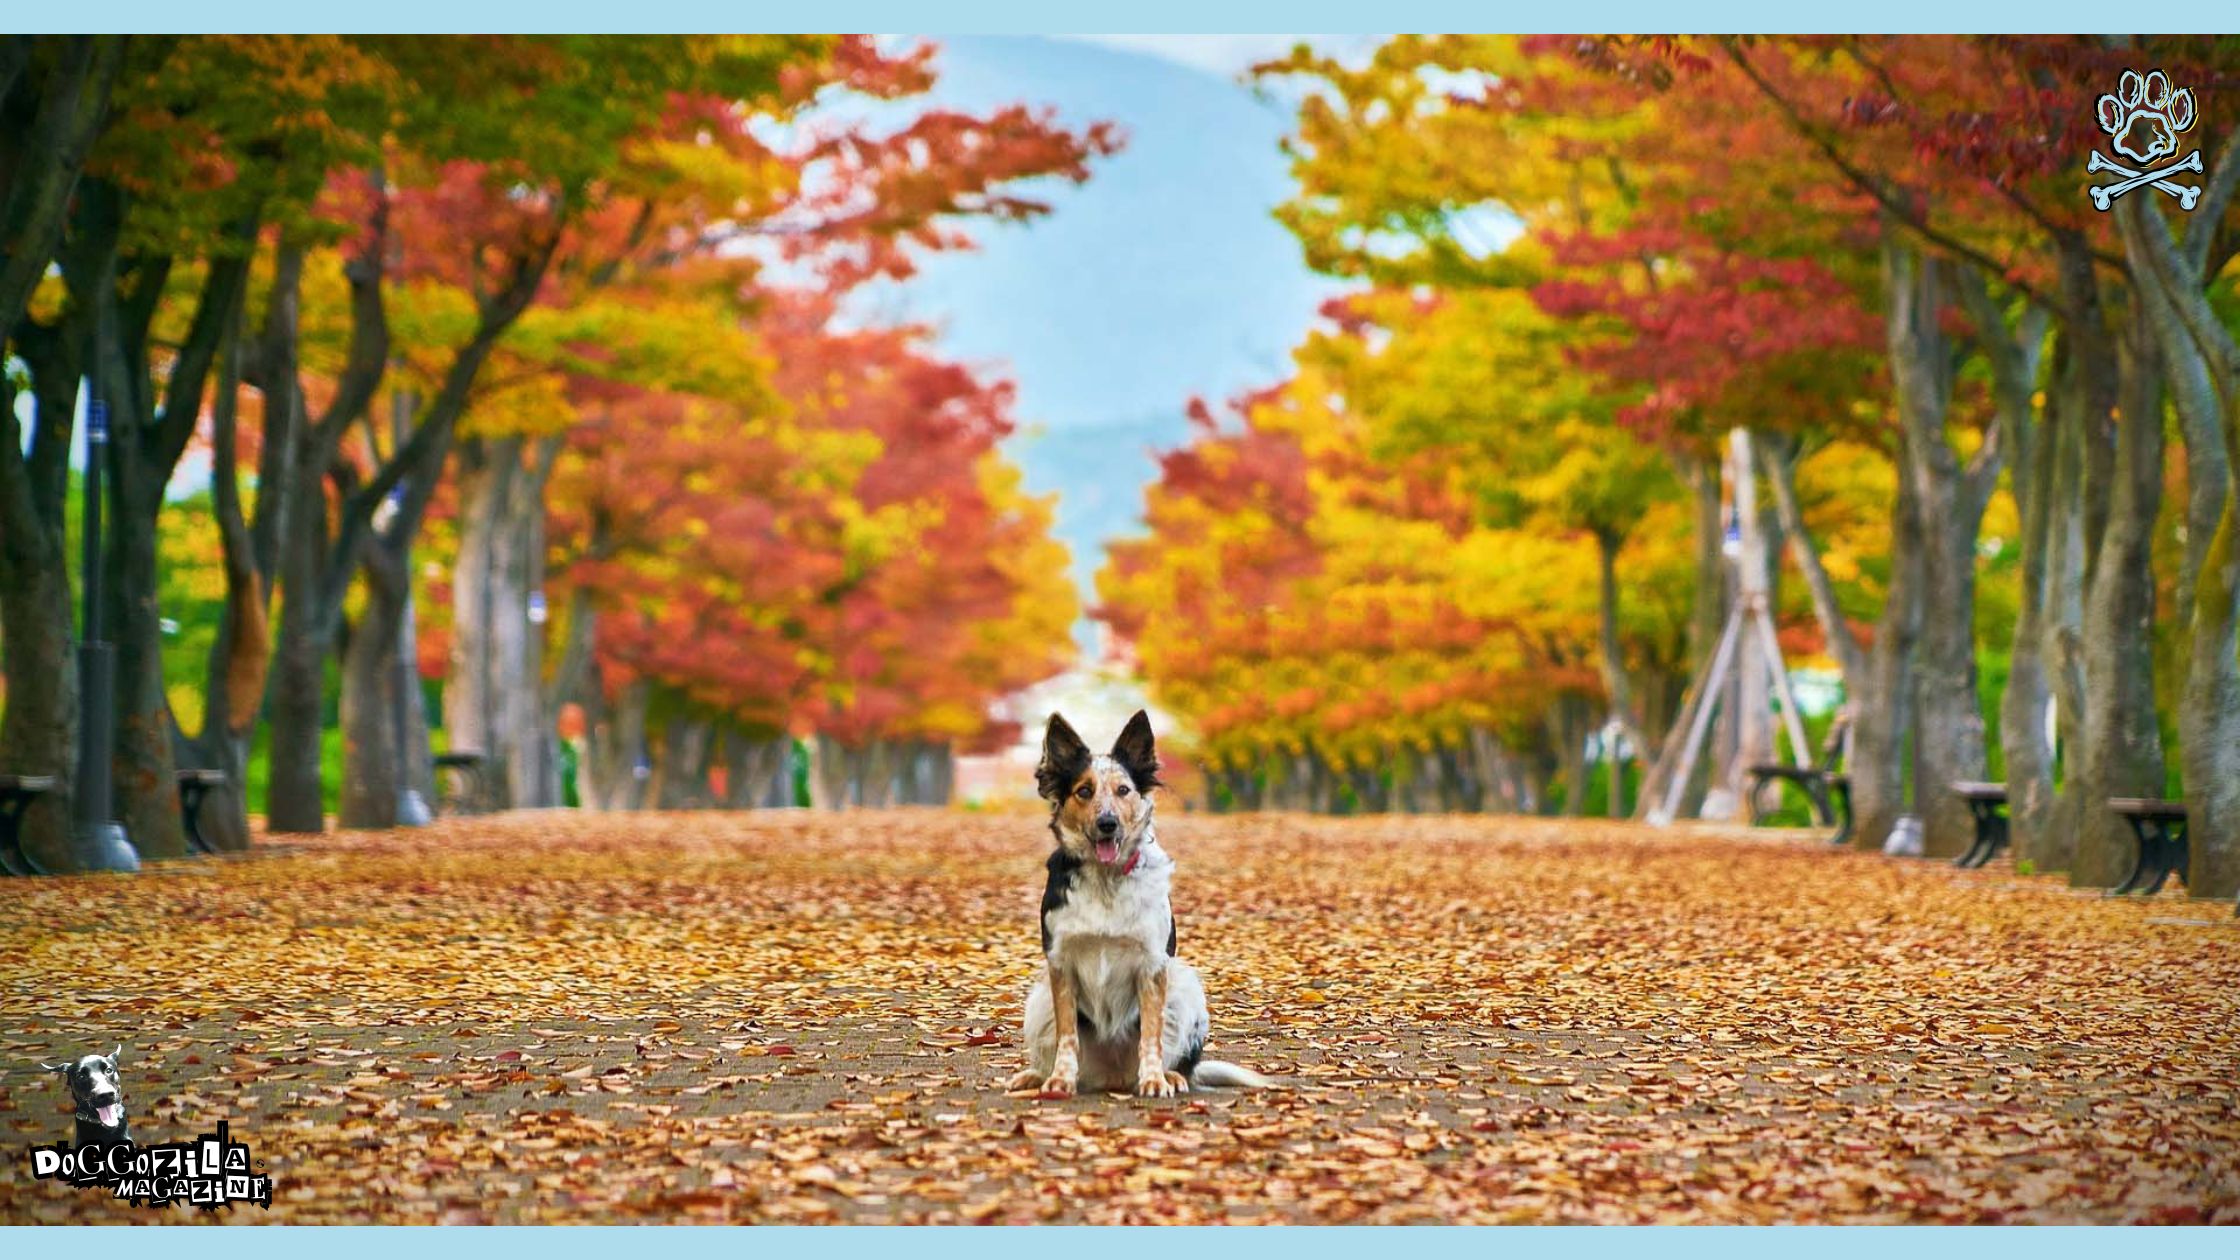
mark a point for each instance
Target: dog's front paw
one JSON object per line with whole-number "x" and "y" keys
{"x": 1155, "y": 1084}
{"x": 1024, "y": 1080}
{"x": 1180, "y": 1082}
{"x": 1059, "y": 1085}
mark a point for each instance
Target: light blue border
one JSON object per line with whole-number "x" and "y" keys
{"x": 1722, "y": 1242}
{"x": 1008, "y": 17}
{"x": 1527, "y": 1243}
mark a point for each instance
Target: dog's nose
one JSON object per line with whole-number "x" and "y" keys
{"x": 1108, "y": 823}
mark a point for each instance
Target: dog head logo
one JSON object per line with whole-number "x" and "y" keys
{"x": 96, "y": 1095}
{"x": 2144, "y": 118}
{"x": 1099, "y": 806}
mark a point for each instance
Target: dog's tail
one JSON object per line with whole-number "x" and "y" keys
{"x": 1214, "y": 1072}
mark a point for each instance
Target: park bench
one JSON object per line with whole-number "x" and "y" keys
{"x": 193, "y": 786}
{"x": 18, "y": 793}
{"x": 1988, "y": 803}
{"x": 1827, "y": 789}
{"x": 2161, "y": 828}
{"x": 465, "y": 787}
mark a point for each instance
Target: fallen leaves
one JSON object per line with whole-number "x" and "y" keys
{"x": 790, "y": 1017}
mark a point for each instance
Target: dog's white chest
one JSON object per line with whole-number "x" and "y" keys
{"x": 1110, "y": 933}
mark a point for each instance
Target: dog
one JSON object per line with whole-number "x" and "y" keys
{"x": 1108, "y": 935}
{"x": 98, "y": 1095}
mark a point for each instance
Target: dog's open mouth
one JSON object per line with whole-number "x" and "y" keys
{"x": 109, "y": 1114}
{"x": 1108, "y": 851}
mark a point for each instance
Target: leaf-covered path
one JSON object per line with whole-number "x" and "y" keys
{"x": 808, "y": 1018}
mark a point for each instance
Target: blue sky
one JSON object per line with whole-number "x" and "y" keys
{"x": 1163, "y": 277}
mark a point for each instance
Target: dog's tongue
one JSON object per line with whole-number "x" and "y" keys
{"x": 1108, "y": 851}
{"x": 109, "y": 1114}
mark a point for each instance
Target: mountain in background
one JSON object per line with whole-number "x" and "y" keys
{"x": 1165, "y": 276}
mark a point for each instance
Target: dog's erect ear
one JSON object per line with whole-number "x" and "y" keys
{"x": 1136, "y": 753}
{"x": 63, "y": 1068}
{"x": 1064, "y": 757}
{"x": 117, "y": 1055}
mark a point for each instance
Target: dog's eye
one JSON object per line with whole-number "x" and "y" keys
{"x": 1122, "y": 790}
{"x": 1084, "y": 792}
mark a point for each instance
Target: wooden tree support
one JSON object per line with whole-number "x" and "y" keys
{"x": 1749, "y": 638}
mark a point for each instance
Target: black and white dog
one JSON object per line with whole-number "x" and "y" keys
{"x": 98, "y": 1095}
{"x": 1108, "y": 934}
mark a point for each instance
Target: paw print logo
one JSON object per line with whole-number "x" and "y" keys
{"x": 2144, "y": 117}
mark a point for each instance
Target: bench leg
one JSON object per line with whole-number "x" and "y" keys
{"x": 1991, "y": 841}
{"x": 2161, "y": 867}
{"x": 1843, "y": 813}
{"x": 1979, "y": 852}
{"x": 1757, "y": 800}
{"x": 190, "y": 812}
{"x": 2148, "y": 865}
{"x": 12, "y": 857}
{"x": 2163, "y": 852}
{"x": 1822, "y": 812}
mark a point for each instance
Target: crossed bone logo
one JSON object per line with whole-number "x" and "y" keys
{"x": 2144, "y": 116}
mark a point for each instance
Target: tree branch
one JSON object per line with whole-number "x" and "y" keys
{"x": 1780, "y": 467}
{"x": 276, "y": 359}
{"x": 2214, "y": 199}
{"x": 421, "y": 456}
{"x": 72, "y": 113}
{"x": 1862, "y": 179}
{"x": 368, "y": 356}
{"x": 222, "y": 291}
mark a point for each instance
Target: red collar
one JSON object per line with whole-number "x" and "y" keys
{"x": 1133, "y": 858}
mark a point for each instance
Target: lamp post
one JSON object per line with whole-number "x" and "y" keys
{"x": 101, "y": 843}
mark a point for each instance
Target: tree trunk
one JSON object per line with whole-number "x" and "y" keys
{"x": 72, "y": 112}
{"x": 486, "y": 469}
{"x": 1777, "y": 458}
{"x": 295, "y": 798}
{"x": 755, "y": 769}
{"x": 1949, "y": 736}
{"x": 1751, "y": 716}
{"x": 1567, "y": 727}
{"x": 494, "y": 696}
{"x": 2122, "y": 753}
{"x": 828, "y": 776}
{"x": 2209, "y": 720}
{"x": 39, "y": 722}
{"x": 2024, "y": 710}
{"x": 39, "y": 725}
{"x": 1616, "y": 680}
{"x": 234, "y": 673}
{"x": 1882, "y": 702}
{"x": 685, "y": 746}
{"x": 1504, "y": 782}
{"x": 151, "y": 424}
{"x": 1949, "y": 739}
{"x": 373, "y": 769}
{"x": 2027, "y": 703}
{"x": 945, "y": 775}
{"x": 618, "y": 749}
{"x": 876, "y": 779}
{"x": 525, "y": 731}
{"x": 2202, "y": 362}
{"x": 146, "y": 769}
